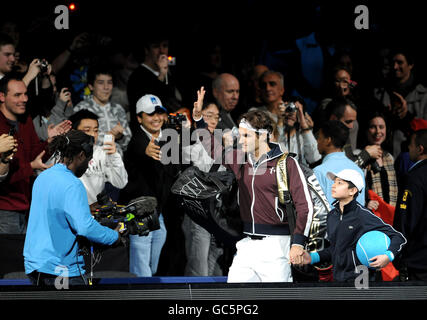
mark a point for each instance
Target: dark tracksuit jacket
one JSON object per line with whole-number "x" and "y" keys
{"x": 345, "y": 229}
{"x": 411, "y": 218}
{"x": 260, "y": 210}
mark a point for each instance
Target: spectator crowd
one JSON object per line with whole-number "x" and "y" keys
{"x": 125, "y": 98}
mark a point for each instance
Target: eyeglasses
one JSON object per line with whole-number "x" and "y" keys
{"x": 211, "y": 116}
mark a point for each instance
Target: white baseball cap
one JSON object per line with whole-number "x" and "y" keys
{"x": 149, "y": 103}
{"x": 349, "y": 175}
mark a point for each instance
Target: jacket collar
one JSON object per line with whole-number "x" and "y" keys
{"x": 351, "y": 206}
{"x": 418, "y": 164}
{"x": 275, "y": 151}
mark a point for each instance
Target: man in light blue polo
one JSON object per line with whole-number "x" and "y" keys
{"x": 331, "y": 138}
{"x": 60, "y": 212}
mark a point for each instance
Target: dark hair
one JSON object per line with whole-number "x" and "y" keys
{"x": 350, "y": 186}
{"x": 70, "y": 144}
{"x": 4, "y": 83}
{"x": 5, "y": 40}
{"x": 406, "y": 52}
{"x": 96, "y": 70}
{"x": 337, "y": 131}
{"x": 77, "y": 118}
{"x": 208, "y": 103}
{"x": 337, "y": 107}
{"x": 421, "y": 139}
{"x": 258, "y": 120}
{"x": 364, "y": 127}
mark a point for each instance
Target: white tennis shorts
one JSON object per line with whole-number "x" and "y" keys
{"x": 265, "y": 260}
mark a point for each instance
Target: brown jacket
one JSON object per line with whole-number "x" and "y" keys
{"x": 258, "y": 195}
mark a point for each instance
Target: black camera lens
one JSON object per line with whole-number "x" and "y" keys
{"x": 291, "y": 107}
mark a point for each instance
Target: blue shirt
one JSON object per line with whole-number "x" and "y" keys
{"x": 335, "y": 162}
{"x": 60, "y": 212}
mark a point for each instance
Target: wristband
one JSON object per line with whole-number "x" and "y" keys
{"x": 390, "y": 255}
{"x": 315, "y": 258}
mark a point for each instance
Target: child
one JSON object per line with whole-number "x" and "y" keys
{"x": 346, "y": 223}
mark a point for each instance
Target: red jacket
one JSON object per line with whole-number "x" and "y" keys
{"x": 15, "y": 190}
{"x": 258, "y": 196}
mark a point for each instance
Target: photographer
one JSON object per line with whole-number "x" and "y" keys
{"x": 107, "y": 164}
{"x": 296, "y": 134}
{"x": 153, "y": 76}
{"x": 148, "y": 176}
{"x": 60, "y": 213}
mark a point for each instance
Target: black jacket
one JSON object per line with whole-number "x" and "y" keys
{"x": 344, "y": 230}
{"x": 411, "y": 217}
{"x": 141, "y": 82}
{"x": 146, "y": 176}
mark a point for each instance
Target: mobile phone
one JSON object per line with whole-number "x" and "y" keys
{"x": 108, "y": 138}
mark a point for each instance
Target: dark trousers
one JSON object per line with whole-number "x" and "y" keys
{"x": 44, "y": 279}
{"x": 417, "y": 275}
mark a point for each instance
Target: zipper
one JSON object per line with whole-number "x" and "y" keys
{"x": 354, "y": 262}
{"x": 253, "y": 191}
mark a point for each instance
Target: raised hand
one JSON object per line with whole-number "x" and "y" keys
{"x": 56, "y": 130}
{"x": 197, "y": 108}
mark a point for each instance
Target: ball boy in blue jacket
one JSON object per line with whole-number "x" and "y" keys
{"x": 346, "y": 223}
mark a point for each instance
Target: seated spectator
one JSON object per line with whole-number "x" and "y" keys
{"x": 112, "y": 117}
{"x": 380, "y": 173}
{"x": 106, "y": 164}
{"x": 331, "y": 138}
{"x": 297, "y": 136}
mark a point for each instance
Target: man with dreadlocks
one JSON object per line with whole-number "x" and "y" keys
{"x": 60, "y": 212}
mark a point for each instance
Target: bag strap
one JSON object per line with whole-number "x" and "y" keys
{"x": 285, "y": 197}
{"x": 214, "y": 167}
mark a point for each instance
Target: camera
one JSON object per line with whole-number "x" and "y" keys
{"x": 171, "y": 61}
{"x": 139, "y": 217}
{"x": 375, "y": 167}
{"x": 176, "y": 119}
{"x": 43, "y": 66}
{"x": 291, "y": 107}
